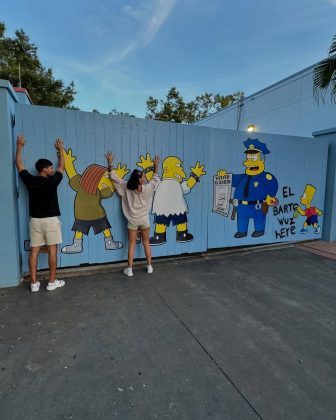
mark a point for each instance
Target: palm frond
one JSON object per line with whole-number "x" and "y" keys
{"x": 333, "y": 88}
{"x": 324, "y": 76}
{"x": 332, "y": 48}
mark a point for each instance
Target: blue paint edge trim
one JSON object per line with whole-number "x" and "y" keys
{"x": 5, "y": 84}
{"x": 322, "y": 132}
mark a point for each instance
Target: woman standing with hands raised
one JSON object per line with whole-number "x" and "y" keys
{"x": 137, "y": 196}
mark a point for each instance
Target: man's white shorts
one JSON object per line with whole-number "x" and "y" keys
{"x": 45, "y": 231}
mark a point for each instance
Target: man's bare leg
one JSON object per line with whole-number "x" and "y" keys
{"x": 52, "y": 261}
{"x": 34, "y": 251}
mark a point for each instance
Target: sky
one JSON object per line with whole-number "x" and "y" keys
{"x": 118, "y": 53}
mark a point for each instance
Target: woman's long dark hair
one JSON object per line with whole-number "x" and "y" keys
{"x": 134, "y": 180}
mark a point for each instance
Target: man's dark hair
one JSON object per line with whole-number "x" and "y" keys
{"x": 134, "y": 180}
{"x": 42, "y": 164}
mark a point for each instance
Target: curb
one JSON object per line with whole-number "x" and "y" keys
{"x": 89, "y": 270}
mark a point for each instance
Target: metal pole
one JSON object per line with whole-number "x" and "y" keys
{"x": 19, "y": 75}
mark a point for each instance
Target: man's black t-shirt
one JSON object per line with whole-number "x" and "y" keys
{"x": 43, "y": 200}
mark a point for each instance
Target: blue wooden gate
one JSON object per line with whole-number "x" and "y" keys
{"x": 293, "y": 161}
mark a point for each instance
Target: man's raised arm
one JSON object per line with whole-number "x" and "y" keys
{"x": 59, "y": 146}
{"x": 20, "y": 142}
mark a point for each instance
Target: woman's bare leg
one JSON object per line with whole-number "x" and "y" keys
{"x": 146, "y": 245}
{"x": 132, "y": 236}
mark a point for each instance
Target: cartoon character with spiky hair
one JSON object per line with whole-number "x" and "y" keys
{"x": 310, "y": 212}
{"x": 169, "y": 204}
{"x": 92, "y": 187}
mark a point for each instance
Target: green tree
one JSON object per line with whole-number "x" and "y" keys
{"x": 120, "y": 113}
{"x": 43, "y": 88}
{"x": 325, "y": 74}
{"x": 175, "y": 108}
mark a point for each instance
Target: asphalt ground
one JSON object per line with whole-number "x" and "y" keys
{"x": 249, "y": 335}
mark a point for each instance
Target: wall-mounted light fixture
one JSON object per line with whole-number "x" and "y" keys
{"x": 251, "y": 127}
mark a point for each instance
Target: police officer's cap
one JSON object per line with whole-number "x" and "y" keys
{"x": 255, "y": 146}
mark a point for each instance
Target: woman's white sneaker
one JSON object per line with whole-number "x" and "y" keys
{"x": 150, "y": 269}
{"x": 55, "y": 284}
{"x": 35, "y": 287}
{"x": 128, "y": 271}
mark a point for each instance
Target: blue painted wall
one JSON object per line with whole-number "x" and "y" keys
{"x": 10, "y": 272}
{"x": 287, "y": 107}
{"x": 328, "y": 139}
{"x": 295, "y": 161}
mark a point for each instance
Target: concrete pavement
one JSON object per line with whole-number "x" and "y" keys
{"x": 244, "y": 336}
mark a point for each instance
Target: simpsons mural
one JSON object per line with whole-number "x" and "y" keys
{"x": 169, "y": 204}
{"x": 91, "y": 188}
{"x": 311, "y": 213}
{"x": 255, "y": 190}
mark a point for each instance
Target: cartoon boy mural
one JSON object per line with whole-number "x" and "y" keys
{"x": 255, "y": 190}
{"x": 92, "y": 187}
{"x": 169, "y": 204}
{"x": 310, "y": 212}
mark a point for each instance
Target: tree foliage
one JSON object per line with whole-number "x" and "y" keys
{"x": 120, "y": 113}
{"x": 325, "y": 74}
{"x": 175, "y": 108}
{"x": 39, "y": 81}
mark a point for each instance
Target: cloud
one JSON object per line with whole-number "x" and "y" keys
{"x": 146, "y": 21}
{"x": 131, "y": 11}
{"x": 333, "y": 2}
{"x": 150, "y": 15}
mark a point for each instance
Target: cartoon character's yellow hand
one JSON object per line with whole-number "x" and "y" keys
{"x": 221, "y": 172}
{"x": 121, "y": 171}
{"x": 69, "y": 163}
{"x": 145, "y": 162}
{"x": 272, "y": 201}
{"x": 298, "y": 210}
{"x": 68, "y": 156}
{"x": 198, "y": 170}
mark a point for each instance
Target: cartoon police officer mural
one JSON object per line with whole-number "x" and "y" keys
{"x": 255, "y": 190}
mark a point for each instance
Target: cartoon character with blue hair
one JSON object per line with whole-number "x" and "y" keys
{"x": 255, "y": 190}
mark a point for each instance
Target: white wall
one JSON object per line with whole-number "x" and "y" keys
{"x": 287, "y": 107}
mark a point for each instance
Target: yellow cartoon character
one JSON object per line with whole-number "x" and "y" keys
{"x": 91, "y": 187}
{"x": 169, "y": 204}
{"x": 310, "y": 212}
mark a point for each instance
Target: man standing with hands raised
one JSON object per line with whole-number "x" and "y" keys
{"x": 44, "y": 226}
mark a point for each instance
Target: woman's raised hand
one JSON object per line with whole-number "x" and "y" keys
{"x": 109, "y": 157}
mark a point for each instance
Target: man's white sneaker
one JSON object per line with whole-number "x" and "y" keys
{"x": 128, "y": 272}
{"x": 35, "y": 287}
{"x": 54, "y": 285}
{"x": 150, "y": 269}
